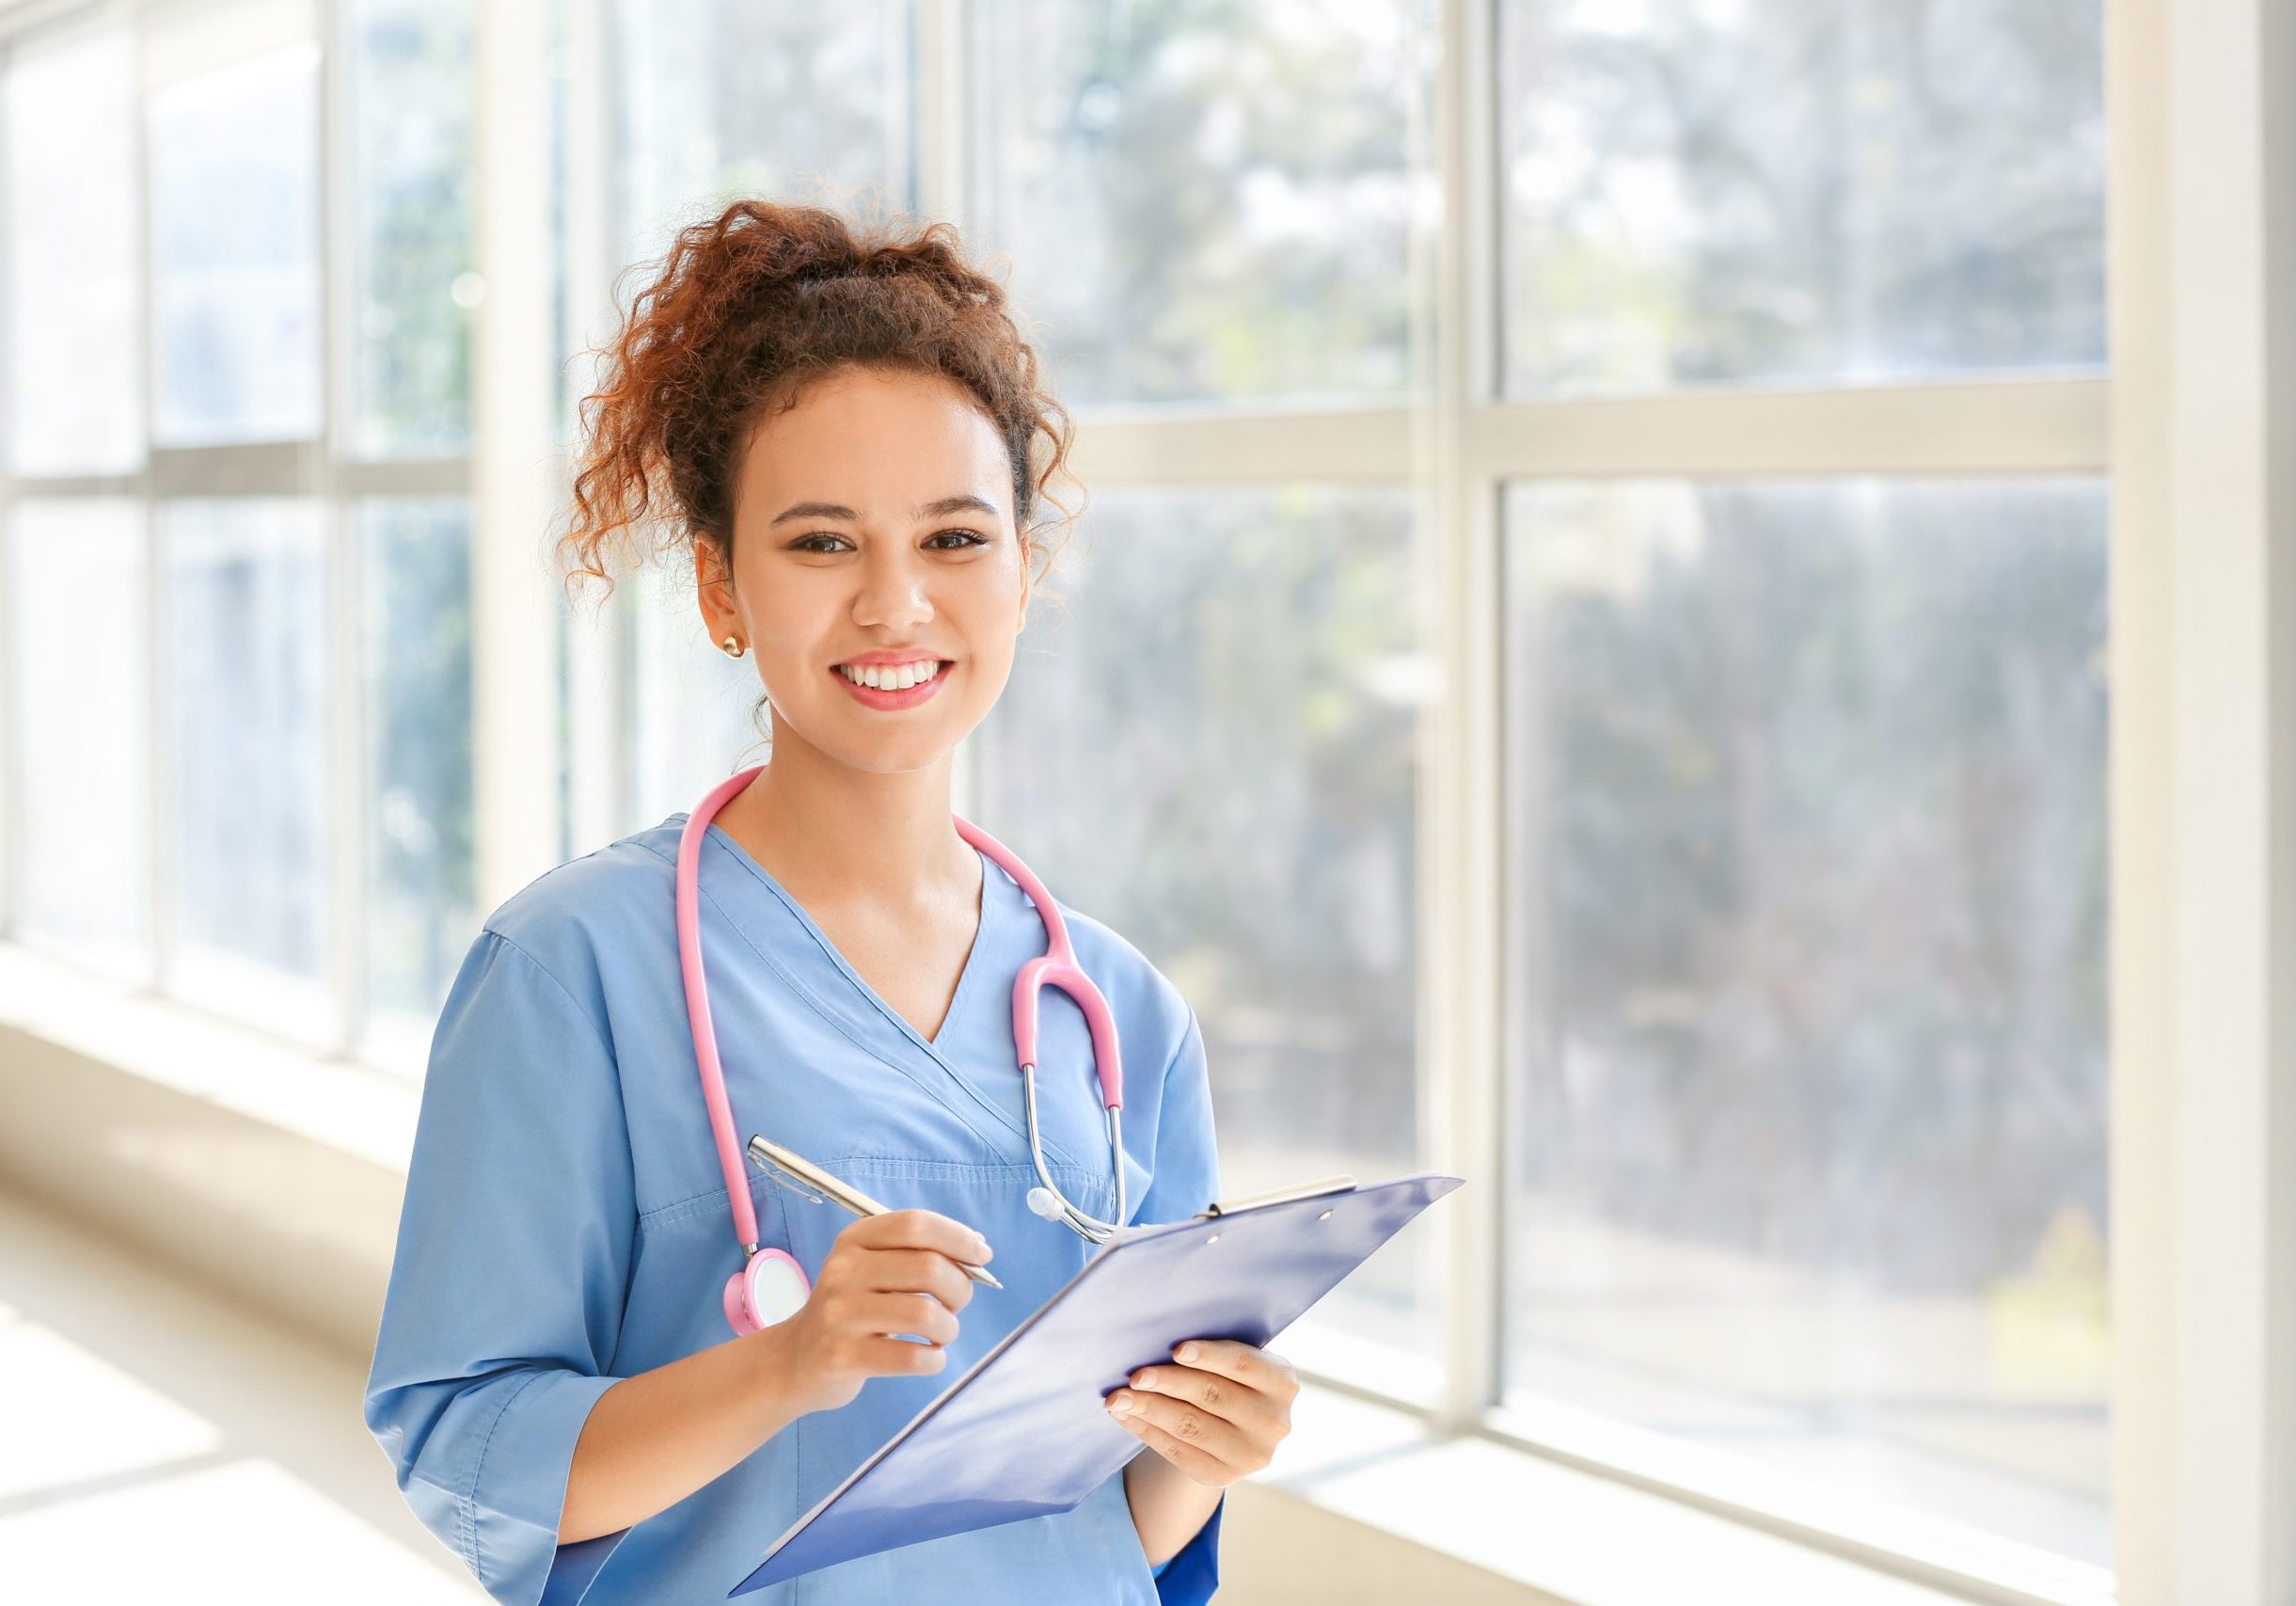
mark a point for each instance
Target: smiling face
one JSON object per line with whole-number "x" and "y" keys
{"x": 874, "y": 539}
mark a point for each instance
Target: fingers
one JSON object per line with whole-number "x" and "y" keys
{"x": 919, "y": 1271}
{"x": 905, "y": 1251}
{"x": 918, "y": 1313}
{"x": 920, "y": 1230}
{"x": 1252, "y": 1409}
{"x": 1193, "y": 1460}
{"x": 1245, "y": 1363}
{"x": 893, "y": 1356}
{"x": 1207, "y": 1448}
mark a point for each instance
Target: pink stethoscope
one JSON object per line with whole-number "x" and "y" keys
{"x": 770, "y": 1283}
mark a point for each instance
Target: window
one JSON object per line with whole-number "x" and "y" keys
{"x": 246, "y": 672}
{"x": 415, "y": 561}
{"x": 1807, "y": 916}
{"x": 74, "y": 395}
{"x": 234, "y": 154}
{"x": 1597, "y": 547}
{"x": 411, "y": 104}
{"x": 707, "y": 89}
{"x": 80, "y": 727}
{"x": 246, "y": 754}
{"x": 1202, "y": 204}
{"x": 1767, "y": 191}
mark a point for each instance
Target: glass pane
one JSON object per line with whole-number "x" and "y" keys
{"x": 692, "y": 724}
{"x": 81, "y": 716}
{"x": 411, "y": 102}
{"x": 421, "y": 899}
{"x": 1806, "y": 799}
{"x": 1777, "y": 191}
{"x": 73, "y": 402}
{"x": 707, "y": 88}
{"x": 1203, "y": 200}
{"x": 1253, "y": 831}
{"x": 245, "y": 673}
{"x": 234, "y": 169}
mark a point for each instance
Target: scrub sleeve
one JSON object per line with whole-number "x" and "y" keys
{"x": 508, "y": 1283}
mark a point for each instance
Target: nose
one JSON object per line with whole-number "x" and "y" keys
{"x": 894, "y": 589}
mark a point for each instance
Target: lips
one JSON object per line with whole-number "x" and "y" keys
{"x": 909, "y": 696}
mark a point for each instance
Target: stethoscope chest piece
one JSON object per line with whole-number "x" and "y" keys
{"x": 771, "y": 1287}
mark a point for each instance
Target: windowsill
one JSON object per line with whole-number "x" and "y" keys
{"x": 1569, "y": 1535}
{"x": 355, "y": 1109}
{"x": 1563, "y": 1534}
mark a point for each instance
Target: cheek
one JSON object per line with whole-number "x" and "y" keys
{"x": 791, "y": 633}
{"x": 989, "y": 622}
{"x": 989, "y": 667}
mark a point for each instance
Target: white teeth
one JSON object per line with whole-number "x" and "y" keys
{"x": 891, "y": 679}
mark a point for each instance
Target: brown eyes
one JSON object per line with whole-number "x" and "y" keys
{"x": 972, "y": 538}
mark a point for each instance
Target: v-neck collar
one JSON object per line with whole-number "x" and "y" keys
{"x": 875, "y": 1025}
{"x": 976, "y": 958}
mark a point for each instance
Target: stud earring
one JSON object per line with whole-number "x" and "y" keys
{"x": 732, "y": 648}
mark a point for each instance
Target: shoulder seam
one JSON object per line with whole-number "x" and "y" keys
{"x": 563, "y": 992}
{"x": 1189, "y": 1025}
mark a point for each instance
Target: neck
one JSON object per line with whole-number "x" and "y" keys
{"x": 834, "y": 834}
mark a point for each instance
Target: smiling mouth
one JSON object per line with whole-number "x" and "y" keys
{"x": 896, "y": 677}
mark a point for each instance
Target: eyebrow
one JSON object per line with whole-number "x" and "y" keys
{"x": 930, "y": 510}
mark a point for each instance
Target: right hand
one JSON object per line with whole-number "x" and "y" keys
{"x": 895, "y": 1273}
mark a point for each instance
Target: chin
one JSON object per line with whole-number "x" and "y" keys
{"x": 894, "y": 755}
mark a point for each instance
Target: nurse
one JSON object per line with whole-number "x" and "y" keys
{"x": 846, "y": 435}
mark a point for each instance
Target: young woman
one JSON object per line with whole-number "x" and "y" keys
{"x": 844, "y": 431}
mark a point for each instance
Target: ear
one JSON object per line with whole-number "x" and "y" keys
{"x": 1028, "y": 551}
{"x": 709, "y": 584}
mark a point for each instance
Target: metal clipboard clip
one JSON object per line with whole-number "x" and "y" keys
{"x": 1278, "y": 1196}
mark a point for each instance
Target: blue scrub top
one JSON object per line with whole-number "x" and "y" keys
{"x": 566, "y": 1224}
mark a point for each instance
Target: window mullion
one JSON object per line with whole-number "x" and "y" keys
{"x": 347, "y": 712}
{"x": 515, "y": 687}
{"x": 601, "y": 757}
{"x": 1460, "y": 989}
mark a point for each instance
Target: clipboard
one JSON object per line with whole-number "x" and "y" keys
{"x": 1023, "y": 1432}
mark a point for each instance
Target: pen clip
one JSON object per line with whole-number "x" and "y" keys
{"x": 788, "y": 1179}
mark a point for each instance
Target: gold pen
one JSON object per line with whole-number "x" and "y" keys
{"x": 817, "y": 1184}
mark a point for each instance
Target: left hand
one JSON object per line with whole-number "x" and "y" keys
{"x": 1217, "y": 1413}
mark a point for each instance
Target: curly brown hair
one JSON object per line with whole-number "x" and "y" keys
{"x": 748, "y": 308}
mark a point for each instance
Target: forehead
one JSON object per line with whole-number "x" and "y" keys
{"x": 879, "y": 442}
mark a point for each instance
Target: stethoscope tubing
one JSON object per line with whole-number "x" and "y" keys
{"x": 697, "y": 1005}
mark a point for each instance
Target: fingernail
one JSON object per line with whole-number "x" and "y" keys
{"x": 1188, "y": 1353}
{"x": 980, "y": 1248}
{"x": 1118, "y": 1405}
